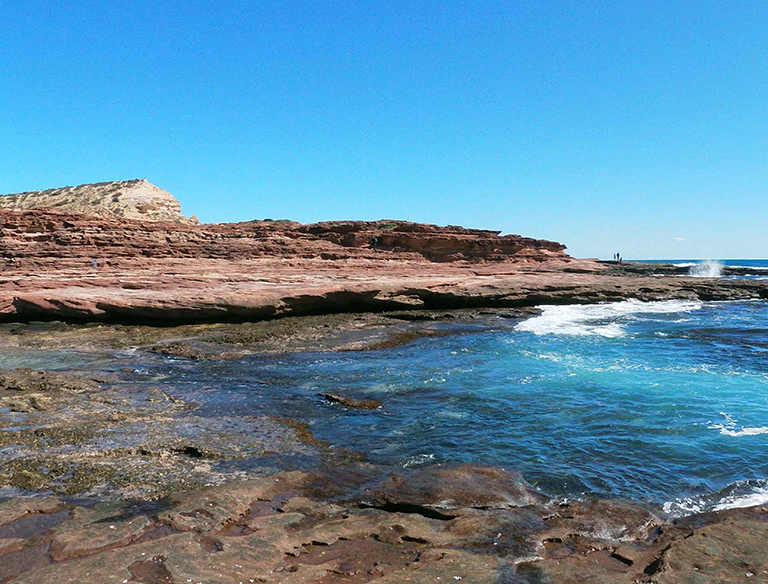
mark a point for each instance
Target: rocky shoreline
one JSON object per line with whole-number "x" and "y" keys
{"x": 361, "y": 524}
{"x": 106, "y": 477}
{"x": 211, "y": 291}
{"x": 122, "y": 471}
{"x": 75, "y": 268}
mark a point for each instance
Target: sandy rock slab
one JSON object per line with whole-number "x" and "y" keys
{"x": 363, "y": 524}
{"x": 131, "y": 199}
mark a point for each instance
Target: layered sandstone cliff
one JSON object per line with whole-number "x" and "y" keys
{"x": 44, "y": 235}
{"x": 130, "y": 199}
{"x": 63, "y": 265}
{"x": 170, "y": 273}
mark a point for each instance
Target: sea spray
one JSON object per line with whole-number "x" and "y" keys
{"x": 604, "y": 320}
{"x": 707, "y": 269}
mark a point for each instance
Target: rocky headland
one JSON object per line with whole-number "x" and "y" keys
{"x": 64, "y": 266}
{"x": 107, "y": 478}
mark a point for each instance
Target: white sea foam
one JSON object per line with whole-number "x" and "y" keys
{"x": 729, "y": 427}
{"x": 758, "y": 497}
{"x": 418, "y": 460}
{"x": 707, "y": 269}
{"x": 605, "y": 320}
{"x": 745, "y": 431}
{"x": 736, "y": 495}
{"x": 685, "y": 265}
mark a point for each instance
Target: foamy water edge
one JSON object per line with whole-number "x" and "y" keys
{"x": 604, "y": 320}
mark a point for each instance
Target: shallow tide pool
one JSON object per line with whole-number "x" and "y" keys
{"x": 665, "y": 402}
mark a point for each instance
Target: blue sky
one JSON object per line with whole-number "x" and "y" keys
{"x": 639, "y": 127}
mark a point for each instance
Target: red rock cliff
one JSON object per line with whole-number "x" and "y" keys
{"x": 44, "y": 236}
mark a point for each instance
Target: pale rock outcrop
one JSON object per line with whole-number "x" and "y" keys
{"x": 129, "y": 199}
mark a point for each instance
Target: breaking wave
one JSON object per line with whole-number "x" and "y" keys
{"x": 604, "y": 320}
{"x": 735, "y": 496}
{"x": 706, "y": 269}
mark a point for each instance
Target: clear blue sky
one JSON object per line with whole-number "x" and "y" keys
{"x": 639, "y": 127}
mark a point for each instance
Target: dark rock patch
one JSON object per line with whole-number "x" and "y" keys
{"x": 151, "y": 571}
{"x": 33, "y": 526}
{"x": 348, "y": 402}
{"x": 19, "y": 561}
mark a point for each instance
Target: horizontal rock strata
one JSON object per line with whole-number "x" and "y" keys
{"x": 174, "y": 292}
{"x": 72, "y": 267}
{"x": 36, "y": 237}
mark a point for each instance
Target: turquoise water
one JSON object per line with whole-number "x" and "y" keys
{"x": 663, "y": 402}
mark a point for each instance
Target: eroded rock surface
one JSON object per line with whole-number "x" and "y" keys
{"x": 114, "y": 439}
{"x": 41, "y": 234}
{"x": 131, "y": 199}
{"x": 318, "y": 527}
{"x": 173, "y": 273}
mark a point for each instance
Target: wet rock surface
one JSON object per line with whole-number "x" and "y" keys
{"x": 27, "y": 381}
{"x": 319, "y": 526}
{"x": 116, "y": 439}
{"x": 120, "y": 432}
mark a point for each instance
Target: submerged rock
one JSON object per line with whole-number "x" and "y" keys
{"x": 348, "y": 402}
{"x": 196, "y": 351}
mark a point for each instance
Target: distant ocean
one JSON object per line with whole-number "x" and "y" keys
{"x": 730, "y": 263}
{"x": 718, "y": 268}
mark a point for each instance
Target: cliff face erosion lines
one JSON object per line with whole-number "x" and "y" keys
{"x": 167, "y": 269}
{"x": 95, "y": 224}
